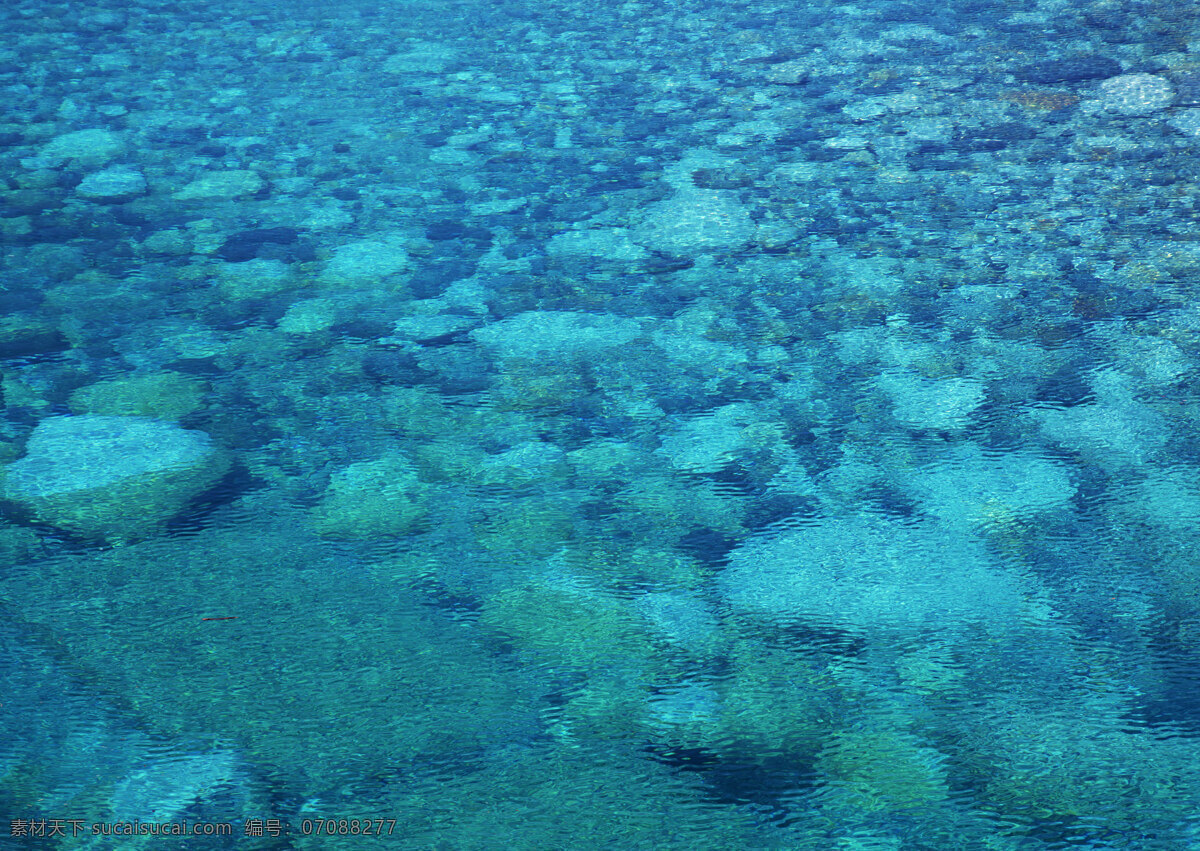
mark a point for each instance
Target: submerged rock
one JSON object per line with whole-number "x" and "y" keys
{"x": 161, "y": 395}
{"x": 1136, "y": 94}
{"x": 943, "y": 405}
{"x": 113, "y": 185}
{"x": 116, "y": 478}
{"x": 372, "y": 499}
{"x": 968, "y": 487}
{"x": 221, "y": 185}
{"x": 90, "y": 147}
{"x": 695, "y": 220}
{"x": 365, "y": 263}
{"x": 163, "y": 791}
{"x": 557, "y": 335}
{"x": 862, "y": 573}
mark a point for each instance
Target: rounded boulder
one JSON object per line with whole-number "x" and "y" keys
{"x": 112, "y": 477}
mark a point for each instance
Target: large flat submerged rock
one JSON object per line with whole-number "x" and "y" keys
{"x": 117, "y": 478}
{"x": 865, "y": 573}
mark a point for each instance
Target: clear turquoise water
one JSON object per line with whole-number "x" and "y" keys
{"x": 657, "y": 425}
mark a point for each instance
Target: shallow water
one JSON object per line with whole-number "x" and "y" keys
{"x": 664, "y": 425}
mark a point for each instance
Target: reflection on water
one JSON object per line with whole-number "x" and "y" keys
{"x": 654, "y": 426}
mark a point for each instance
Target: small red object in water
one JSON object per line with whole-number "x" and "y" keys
{"x": 228, "y": 618}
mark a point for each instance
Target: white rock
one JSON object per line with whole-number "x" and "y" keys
{"x": 221, "y": 185}
{"x": 707, "y": 443}
{"x": 365, "y": 263}
{"x": 607, "y": 243}
{"x": 1136, "y": 94}
{"x": 84, "y": 147}
{"x": 118, "y": 478}
{"x": 868, "y": 573}
{"x": 696, "y": 220}
{"x": 943, "y": 404}
{"x": 557, "y": 334}
{"x": 970, "y": 487}
{"x": 114, "y": 184}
